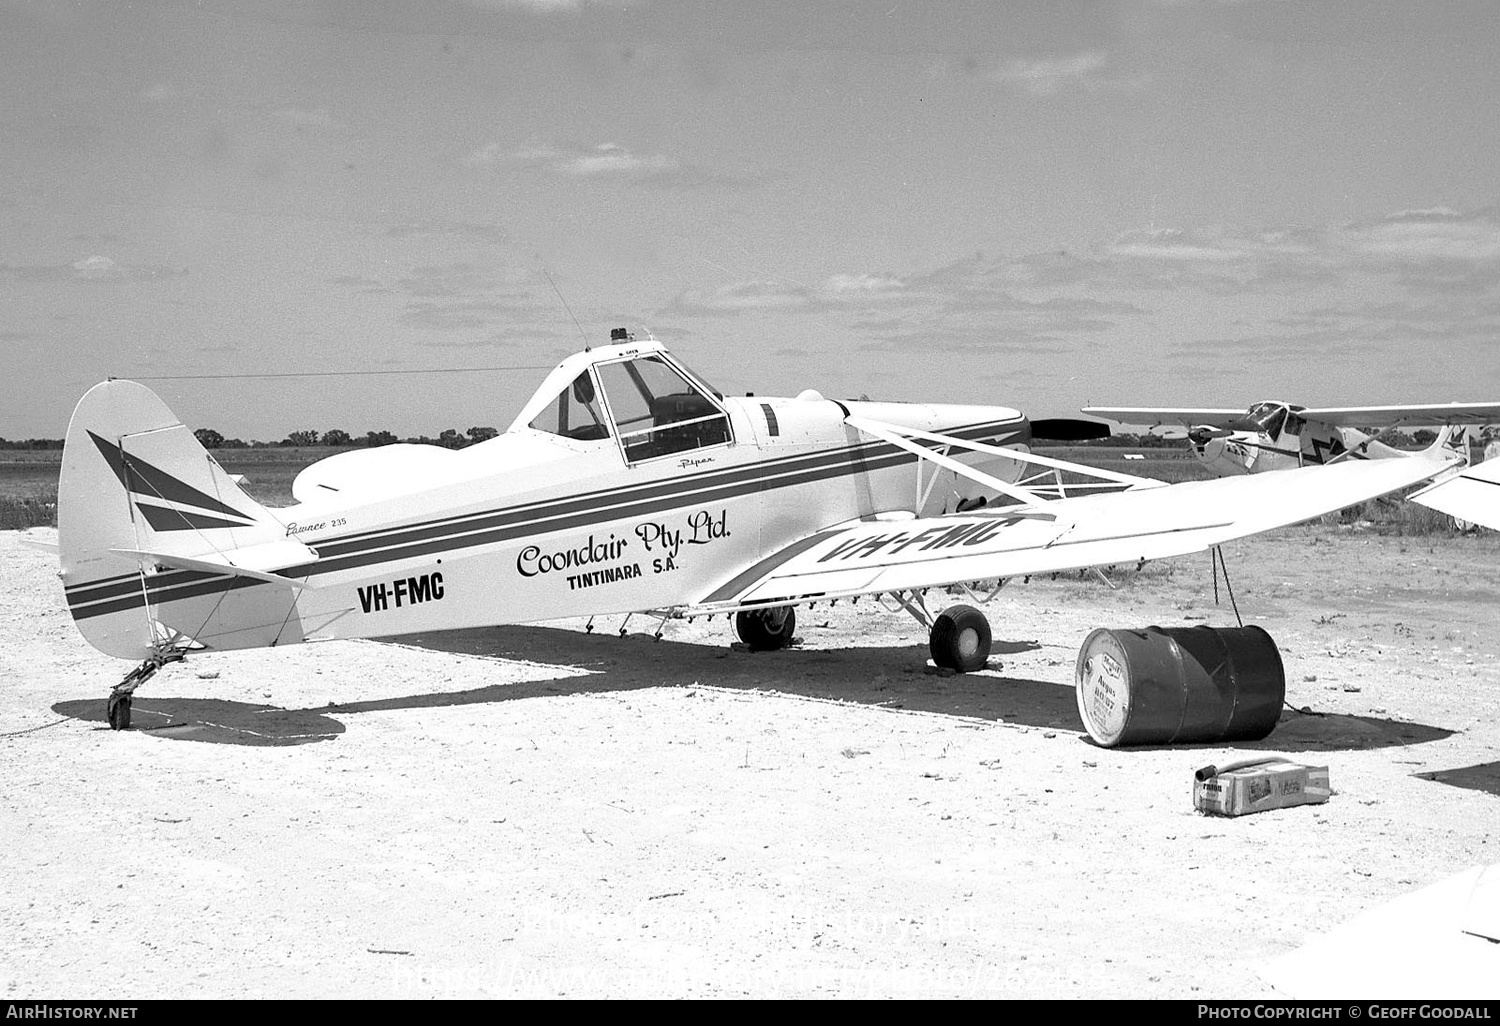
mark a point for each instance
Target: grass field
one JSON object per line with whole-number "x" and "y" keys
{"x": 28, "y": 482}
{"x": 28, "y": 479}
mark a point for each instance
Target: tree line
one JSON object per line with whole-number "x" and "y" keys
{"x": 450, "y": 438}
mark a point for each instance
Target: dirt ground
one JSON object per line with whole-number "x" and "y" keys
{"x": 537, "y": 811}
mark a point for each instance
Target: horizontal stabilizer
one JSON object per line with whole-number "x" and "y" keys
{"x": 212, "y": 566}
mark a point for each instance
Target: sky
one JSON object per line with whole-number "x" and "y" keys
{"x": 1035, "y": 204}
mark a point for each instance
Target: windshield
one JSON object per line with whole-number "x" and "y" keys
{"x": 657, "y": 411}
{"x": 1268, "y": 418}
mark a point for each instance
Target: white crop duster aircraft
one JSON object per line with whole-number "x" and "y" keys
{"x": 626, "y": 484}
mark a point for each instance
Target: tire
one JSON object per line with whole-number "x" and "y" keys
{"x": 117, "y": 711}
{"x": 765, "y": 630}
{"x": 960, "y": 639}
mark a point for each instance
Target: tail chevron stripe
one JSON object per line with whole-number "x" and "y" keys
{"x": 161, "y": 485}
{"x": 162, "y": 519}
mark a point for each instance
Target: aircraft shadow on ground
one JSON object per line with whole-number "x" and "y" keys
{"x": 888, "y": 677}
{"x": 1484, "y": 776}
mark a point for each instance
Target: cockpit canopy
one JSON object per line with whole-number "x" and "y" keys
{"x": 1274, "y": 418}
{"x": 635, "y": 393}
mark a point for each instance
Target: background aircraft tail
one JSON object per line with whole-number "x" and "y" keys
{"x": 147, "y": 520}
{"x": 1451, "y": 441}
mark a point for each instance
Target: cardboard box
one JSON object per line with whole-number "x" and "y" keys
{"x": 1279, "y": 784}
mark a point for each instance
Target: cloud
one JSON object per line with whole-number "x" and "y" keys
{"x": 451, "y": 280}
{"x": 302, "y": 117}
{"x": 742, "y": 297}
{"x": 355, "y": 281}
{"x": 540, "y": 6}
{"x": 604, "y": 162}
{"x": 161, "y": 92}
{"x": 470, "y": 230}
{"x": 863, "y": 285}
{"x": 544, "y": 7}
{"x": 609, "y": 159}
{"x": 450, "y": 316}
{"x": 1428, "y": 277}
{"x": 467, "y": 304}
{"x": 846, "y": 290}
{"x": 95, "y": 268}
{"x": 1434, "y": 235}
{"x": 1046, "y": 77}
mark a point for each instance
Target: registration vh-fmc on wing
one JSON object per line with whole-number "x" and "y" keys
{"x": 626, "y": 484}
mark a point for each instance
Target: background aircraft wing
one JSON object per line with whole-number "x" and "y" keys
{"x": 1095, "y": 530}
{"x": 1156, "y": 416}
{"x": 1472, "y": 495}
{"x": 1391, "y": 416}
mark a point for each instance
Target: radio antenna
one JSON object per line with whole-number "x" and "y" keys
{"x": 586, "y": 346}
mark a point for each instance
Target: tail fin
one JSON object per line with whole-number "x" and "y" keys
{"x": 143, "y": 512}
{"x": 1452, "y": 441}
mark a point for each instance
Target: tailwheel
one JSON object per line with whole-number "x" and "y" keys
{"x": 118, "y": 712}
{"x": 765, "y": 630}
{"x": 117, "y": 709}
{"x": 960, "y": 639}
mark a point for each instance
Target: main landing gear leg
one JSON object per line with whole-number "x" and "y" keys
{"x": 117, "y": 708}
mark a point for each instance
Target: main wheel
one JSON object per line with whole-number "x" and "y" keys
{"x": 960, "y": 639}
{"x": 118, "y": 712}
{"x": 766, "y": 629}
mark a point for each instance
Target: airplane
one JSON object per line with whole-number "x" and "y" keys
{"x": 625, "y": 485}
{"x": 1274, "y": 435}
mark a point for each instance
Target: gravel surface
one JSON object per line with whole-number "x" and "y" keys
{"x": 537, "y": 811}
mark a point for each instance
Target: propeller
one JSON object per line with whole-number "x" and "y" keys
{"x": 1202, "y": 434}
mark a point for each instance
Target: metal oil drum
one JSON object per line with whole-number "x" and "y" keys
{"x": 1179, "y": 685}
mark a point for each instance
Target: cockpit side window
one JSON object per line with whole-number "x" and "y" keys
{"x": 575, "y": 413}
{"x": 657, "y": 411}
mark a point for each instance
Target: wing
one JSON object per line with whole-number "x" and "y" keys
{"x": 1472, "y": 495}
{"x": 1156, "y": 416}
{"x": 1095, "y": 530}
{"x": 1391, "y": 416}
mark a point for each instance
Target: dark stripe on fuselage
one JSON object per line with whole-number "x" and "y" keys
{"x": 542, "y": 517}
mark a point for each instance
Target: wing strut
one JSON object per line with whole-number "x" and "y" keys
{"x": 901, "y": 438}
